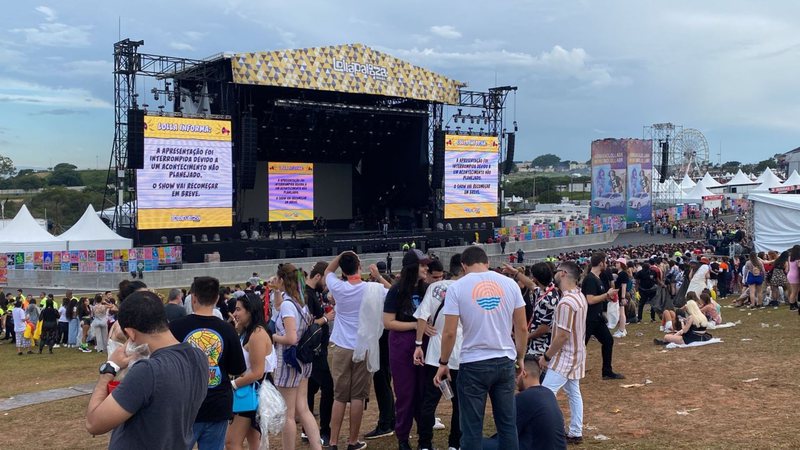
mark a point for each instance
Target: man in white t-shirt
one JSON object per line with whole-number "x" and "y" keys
{"x": 429, "y": 313}
{"x": 487, "y": 304}
{"x": 351, "y": 381}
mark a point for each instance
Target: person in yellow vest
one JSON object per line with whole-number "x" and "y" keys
{"x": 406, "y": 247}
{"x": 22, "y": 297}
{"x": 413, "y": 245}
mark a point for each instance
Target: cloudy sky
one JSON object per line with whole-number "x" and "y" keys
{"x": 585, "y": 69}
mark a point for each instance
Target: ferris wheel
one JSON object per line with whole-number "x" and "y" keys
{"x": 688, "y": 154}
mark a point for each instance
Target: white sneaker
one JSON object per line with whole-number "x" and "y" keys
{"x": 620, "y": 334}
{"x": 438, "y": 425}
{"x": 661, "y": 328}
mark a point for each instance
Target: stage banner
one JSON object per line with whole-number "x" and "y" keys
{"x": 291, "y": 191}
{"x": 608, "y": 178}
{"x": 470, "y": 176}
{"x": 187, "y": 180}
{"x": 640, "y": 171}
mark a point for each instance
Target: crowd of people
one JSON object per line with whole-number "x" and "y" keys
{"x": 326, "y": 337}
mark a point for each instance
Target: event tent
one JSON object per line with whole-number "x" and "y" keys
{"x": 687, "y": 183}
{"x": 709, "y": 182}
{"x": 775, "y": 224}
{"x": 740, "y": 179}
{"x": 768, "y": 175}
{"x": 696, "y": 194}
{"x": 793, "y": 180}
{"x": 768, "y": 184}
{"x": 23, "y": 234}
{"x": 91, "y": 233}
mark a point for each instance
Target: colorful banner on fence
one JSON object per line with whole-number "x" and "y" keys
{"x": 561, "y": 229}
{"x": 470, "y": 176}
{"x": 187, "y": 179}
{"x": 640, "y": 171}
{"x": 608, "y": 178}
{"x": 291, "y": 191}
{"x": 146, "y": 259}
{"x": 4, "y": 269}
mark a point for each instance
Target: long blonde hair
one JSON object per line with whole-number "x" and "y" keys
{"x": 698, "y": 318}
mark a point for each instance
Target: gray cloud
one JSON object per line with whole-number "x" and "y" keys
{"x": 446, "y": 31}
{"x": 59, "y": 112}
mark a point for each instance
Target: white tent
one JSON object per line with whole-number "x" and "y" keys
{"x": 696, "y": 194}
{"x": 793, "y": 180}
{"x": 775, "y": 222}
{"x": 752, "y": 177}
{"x": 91, "y": 233}
{"x": 767, "y": 174}
{"x": 23, "y": 234}
{"x": 768, "y": 183}
{"x": 740, "y": 179}
{"x": 687, "y": 183}
{"x": 709, "y": 182}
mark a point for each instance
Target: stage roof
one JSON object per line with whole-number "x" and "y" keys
{"x": 350, "y": 68}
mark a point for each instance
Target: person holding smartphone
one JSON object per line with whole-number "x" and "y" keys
{"x": 596, "y": 286}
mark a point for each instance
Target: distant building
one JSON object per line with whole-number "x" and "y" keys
{"x": 790, "y": 160}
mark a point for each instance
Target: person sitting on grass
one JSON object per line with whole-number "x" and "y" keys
{"x": 693, "y": 328}
{"x": 710, "y": 308}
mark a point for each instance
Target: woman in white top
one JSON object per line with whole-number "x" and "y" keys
{"x": 18, "y": 314}
{"x": 291, "y": 376}
{"x": 100, "y": 322}
{"x": 256, "y": 345}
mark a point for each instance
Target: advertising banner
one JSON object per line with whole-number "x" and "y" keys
{"x": 187, "y": 180}
{"x": 470, "y": 176}
{"x": 291, "y": 191}
{"x": 640, "y": 172}
{"x": 3, "y": 269}
{"x": 608, "y": 178}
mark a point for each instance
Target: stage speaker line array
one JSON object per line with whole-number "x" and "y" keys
{"x": 509, "y": 163}
{"x": 248, "y": 153}
{"x": 437, "y": 172}
{"x": 135, "y": 139}
{"x": 664, "y": 161}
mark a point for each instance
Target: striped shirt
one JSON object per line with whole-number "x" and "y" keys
{"x": 570, "y": 318}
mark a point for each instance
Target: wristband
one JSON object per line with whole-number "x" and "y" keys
{"x": 443, "y": 363}
{"x": 326, "y": 319}
{"x": 233, "y": 385}
{"x": 418, "y": 343}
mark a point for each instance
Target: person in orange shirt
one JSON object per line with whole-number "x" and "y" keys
{"x": 724, "y": 277}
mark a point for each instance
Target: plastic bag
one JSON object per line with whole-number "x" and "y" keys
{"x": 612, "y": 314}
{"x": 369, "y": 333}
{"x": 38, "y": 333}
{"x": 28, "y": 334}
{"x": 271, "y": 412}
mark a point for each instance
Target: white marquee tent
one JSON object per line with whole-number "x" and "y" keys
{"x": 775, "y": 222}
{"x": 793, "y": 180}
{"x": 687, "y": 183}
{"x": 767, "y": 174}
{"x": 696, "y": 194}
{"x": 709, "y": 182}
{"x": 769, "y": 182}
{"x": 91, "y": 233}
{"x": 740, "y": 179}
{"x": 23, "y": 234}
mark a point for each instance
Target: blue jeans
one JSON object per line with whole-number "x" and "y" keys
{"x": 210, "y": 435}
{"x": 497, "y": 378}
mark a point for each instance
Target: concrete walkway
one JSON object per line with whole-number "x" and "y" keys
{"x": 51, "y": 395}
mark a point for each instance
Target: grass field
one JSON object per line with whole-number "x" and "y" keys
{"x": 722, "y": 411}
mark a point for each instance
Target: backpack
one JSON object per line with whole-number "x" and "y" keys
{"x": 310, "y": 344}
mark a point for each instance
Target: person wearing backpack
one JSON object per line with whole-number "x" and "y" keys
{"x": 294, "y": 366}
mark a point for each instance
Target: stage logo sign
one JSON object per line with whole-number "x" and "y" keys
{"x": 291, "y": 191}
{"x": 187, "y": 180}
{"x": 640, "y": 172}
{"x": 470, "y": 176}
{"x": 608, "y": 178}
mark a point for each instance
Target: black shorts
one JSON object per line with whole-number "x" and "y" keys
{"x": 690, "y": 337}
{"x": 87, "y": 321}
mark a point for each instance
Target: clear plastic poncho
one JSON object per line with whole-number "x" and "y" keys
{"x": 370, "y": 327}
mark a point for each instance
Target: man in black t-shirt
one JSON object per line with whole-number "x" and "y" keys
{"x": 647, "y": 281}
{"x": 321, "y": 379}
{"x": 540, "y": 424}
{"x": 219, "y": 341}
{"x": 597, "y": 291}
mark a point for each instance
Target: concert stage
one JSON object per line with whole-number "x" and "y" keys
{"x": 244, "y": 143}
